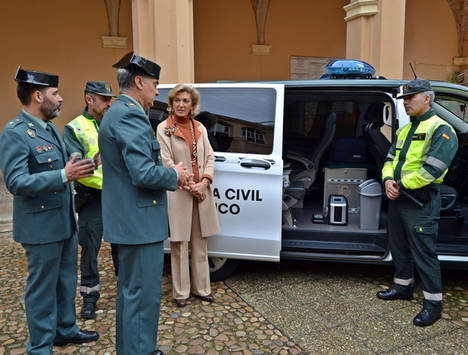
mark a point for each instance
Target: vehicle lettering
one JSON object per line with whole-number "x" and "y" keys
{"x": 224, "y": 208}
{"x": 244, "y": 195}
{"x": 235, "y": 194}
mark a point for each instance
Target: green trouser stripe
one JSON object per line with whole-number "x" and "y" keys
{"x": 404, "y": 151}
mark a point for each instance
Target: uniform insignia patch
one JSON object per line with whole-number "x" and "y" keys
{"x": 419, "y": 136}
{"x": 31, "y": 133}
{"x": 30, "y": 124}
{"x": 446, "y": 136}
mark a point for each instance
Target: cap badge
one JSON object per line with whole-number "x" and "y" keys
{"x": 108, "y": 88}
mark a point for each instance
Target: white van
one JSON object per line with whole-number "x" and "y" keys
{"x": 295, "y": 159}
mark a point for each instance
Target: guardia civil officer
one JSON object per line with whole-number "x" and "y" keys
{"x": 36, "y": 172}
{"x": 416, "y": 164}
{"x": 81, "y": 135}
{"x": 134, "y": 204}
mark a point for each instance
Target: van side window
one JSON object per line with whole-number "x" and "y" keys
{"x": 457, "y": 106}
{"x": 245, "y": 117}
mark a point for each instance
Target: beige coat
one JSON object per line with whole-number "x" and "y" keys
{"x": 174, "y": 149}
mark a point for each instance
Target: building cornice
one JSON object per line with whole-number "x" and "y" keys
{"x": 360, "y": 8}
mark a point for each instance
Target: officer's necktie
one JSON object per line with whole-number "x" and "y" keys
{"x": 52, "y": 133}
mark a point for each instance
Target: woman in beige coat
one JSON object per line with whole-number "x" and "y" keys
{"x": 192, "y": 211}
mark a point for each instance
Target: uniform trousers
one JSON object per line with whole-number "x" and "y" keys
{"x": 180, "y": 271}
{"x": 89, "y": 237}
{"x": 413, "y": 233}
{"x": 50, "y": 293}
{"x": 138, "y": 297}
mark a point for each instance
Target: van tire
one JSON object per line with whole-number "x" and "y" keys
{"x": 221, "y": 268}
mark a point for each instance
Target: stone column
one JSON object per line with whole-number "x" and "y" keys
{"x": 163, "y": 31}
{"x": 375, "y": 33}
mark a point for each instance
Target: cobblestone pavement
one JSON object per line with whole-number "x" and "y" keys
{"x": 330, "y": 308}
{"x": 265, "y": 308}
{"x": 227, "y": 326}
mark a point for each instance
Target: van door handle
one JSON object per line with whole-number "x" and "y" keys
{"x": 219, "y": 158}
{"x": 255, "y": 164}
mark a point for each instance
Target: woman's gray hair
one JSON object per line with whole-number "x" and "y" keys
{"x": 125, "y": 78}
{"x": 431, "y": 96}
{"x": 194, "y": 94}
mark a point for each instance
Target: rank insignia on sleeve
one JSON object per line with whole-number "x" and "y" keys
{"x": 446, "y": 136}
{"x": 31, "y": 133}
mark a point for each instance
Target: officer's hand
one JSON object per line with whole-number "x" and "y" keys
{"x": 78, "y": 169}
{"x": 183, "y": 174}
{"x": 97, "y": 159}
{"x": 392, "y": 189}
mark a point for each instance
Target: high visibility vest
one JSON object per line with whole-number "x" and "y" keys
{"x": 87, "y": 134}
{"x": 412, "y": 176}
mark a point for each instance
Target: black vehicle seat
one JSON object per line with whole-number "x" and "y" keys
{"x": 312, "y": 161}
{"x": 377, "y": 142}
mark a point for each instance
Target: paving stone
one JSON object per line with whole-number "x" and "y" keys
{"x": 300, "y": 308}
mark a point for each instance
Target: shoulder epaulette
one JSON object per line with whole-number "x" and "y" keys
{"x": 14, "y": 122}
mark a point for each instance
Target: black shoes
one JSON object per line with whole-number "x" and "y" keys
{"x": 181, "y": 302}
{"x": 431, "y": 313}
{"x": 396, "y": 292}
{"x": 207, "y": 298}
{"x": 83, "y": 336}
{"x": 88, "y": 311}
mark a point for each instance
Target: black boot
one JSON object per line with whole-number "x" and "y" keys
{"x": 431, "y": 313}
{"x": 88, "y": 311}
{"x": 397, "y": 292}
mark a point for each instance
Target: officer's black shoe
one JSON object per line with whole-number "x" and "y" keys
{"x": 88, "y": 311}
{"x": 83, "y": 336}
{"x": 397, "y": 292}
{"x": 431, "y": 313}
{"x": 158, "y": 352}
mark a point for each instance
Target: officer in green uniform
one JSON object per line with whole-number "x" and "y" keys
{"x": 414, "y": 168}
{"x": 134, "y": 204}
{"x": 35, "y": 168}
{"x": 81, "y": 136}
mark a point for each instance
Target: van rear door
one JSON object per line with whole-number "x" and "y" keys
{"x": 247, "y": 139}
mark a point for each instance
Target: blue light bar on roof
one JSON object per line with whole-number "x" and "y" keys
{"x": 349, "y": 69}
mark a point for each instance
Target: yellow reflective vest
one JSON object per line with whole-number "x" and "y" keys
{"x": 86, "y": 132}
{"x": 421, "y": 153}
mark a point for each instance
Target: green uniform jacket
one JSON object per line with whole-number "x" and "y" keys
{"x": 421, "y": 153}
{"x": 81, "y": 135}
{"x": 31, "y": 161}
{"x": 134, "y": 203}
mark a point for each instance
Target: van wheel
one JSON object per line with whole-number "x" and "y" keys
{"x": 221, "y": 268}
